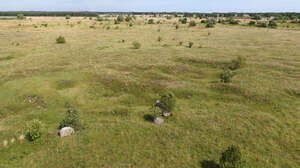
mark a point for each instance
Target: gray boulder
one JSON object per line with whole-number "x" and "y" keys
{"x": 66, "y": 131}
{"x": 158, "y": 120}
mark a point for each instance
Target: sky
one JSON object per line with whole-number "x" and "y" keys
{"x": 152, "y": 5}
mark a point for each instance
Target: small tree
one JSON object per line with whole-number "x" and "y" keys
{"x": 272, "y": 24}
{"x": 72, "y": 120}
{"x": 21, "y": 16}
{"x": 177, "y": 26}
{"x": 210, "y": 25}
{"x": 60, "y": 40}
{"x": 231, "y": 158}
{"x": 226, "y": 75}
{"x": 159, "y": 39}
{"x": 167, "y": 102}
{"x": 33, "y": 130}
{"x": 252, "y": 23}
{"x": 192, "y": 23}
{"x": 128, "y": 18}
{"x": 68, "y": 17}
{"x": 183, "y": 21}
{"x": 191, "y": 44}
{"x": 136, "y": 45}
{"x": 150, "y": 21}
{"x": 120, "y": 18}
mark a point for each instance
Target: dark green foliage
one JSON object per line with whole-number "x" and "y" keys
{"x": 231, "y": 158}
{"x": 180, "y": 43}
{"x": 159, "y": 39}
{"x": 72, "y": 120}
{"x": 130, "y": 25}
{"x": 183, "y": 21}
{"x": 128, "y": 18}
{"x": 234, "y": 22}
{"x": 272, "y": 24}
{"x": 177, "y": 26}
{"x": 60, "y": 40}
{"x": 100, "y": 19}
{"x": 167, "y": 101}
{"x": 226, "y": 75}
{"x": 210, "y": 25}
{"x": 45, "y": 24}
{"x": 117, "y": 22}
{"x": 68, "y": 17}
{"x": 190, "y": 44}
{"x": 33, "y": 130}
{"x": 150, "y": 21}
{"x": 251, "y": 23}
{"x": 257, "y": 17}
{"x": 136, "y": 45}
{"x": 21, "y": 16}
{"x": 192, "y": 23}
{"x": 120, "y": 18}
{"x": 237, "y": 63}
{"x": 262, "y": 24}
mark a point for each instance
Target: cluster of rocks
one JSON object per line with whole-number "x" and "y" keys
{"x": 12, "y": 140}
{"x": 160, "y": 120}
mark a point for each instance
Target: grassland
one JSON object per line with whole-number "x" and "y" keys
{"x": 114, "y": 85}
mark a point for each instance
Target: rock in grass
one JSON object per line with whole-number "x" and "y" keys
{"x": 167, "y": 114}
{"x": 66, "y": 131}
{"x": 158, "y": 120}
{"x": 5, "y": 143}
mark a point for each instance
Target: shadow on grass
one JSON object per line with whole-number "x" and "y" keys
{"x": 209, "y": 164}
{"x": 149, "y": 117}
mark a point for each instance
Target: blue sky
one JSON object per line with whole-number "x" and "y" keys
{"x": 153, "y": 5}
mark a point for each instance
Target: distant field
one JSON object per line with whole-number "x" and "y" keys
{"x": 98, "y": 72}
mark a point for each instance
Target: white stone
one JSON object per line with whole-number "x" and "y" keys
{"x": 158, "y": 120}
{"x": 66, "y": 131}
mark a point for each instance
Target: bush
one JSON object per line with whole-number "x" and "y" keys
{"x": 237, "y": 63}
{"x": 72, "y": 120}
{"x": 177, "y": 26}
{"x": 180, "y": 43}
{"x": 21, "y": 16}
{"x": 150, "y": 21}
{"x": 128, "y": 18}
{"x": 257, "y": 17}
{"x": 192, "y": 24}
{"x": 130, "y": 24}
{"x": 272, "y": 24}
{"x": 167, "y": 102}
{"x": 234, "y": 22}
{"x": 120, "y": 18}
{"x": 262, "y": 24}
{"x": 60, "y": 40}
{"x": 210, "y": 25}
{"x": 231, "y": 158}
{"x": 68, "y": 17}
{"x": 183, "y": 21}
{"x": 136, "y": 45}
{"x": 226, "y": 75}
{"x": 33, "y": 130}
{"x": 159, "y": 39}
{"x": 191, "y": 44}
{"x": 252, "y": 23}
{"x": 100, "y": 19}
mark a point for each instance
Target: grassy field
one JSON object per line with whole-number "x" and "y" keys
{"x": 114, "y": 86}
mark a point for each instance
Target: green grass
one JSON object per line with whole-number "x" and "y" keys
{"x": 113, "y": 86}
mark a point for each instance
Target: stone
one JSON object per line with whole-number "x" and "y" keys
{"x": 158, "y": 120}
{"x": 21, "y": 137}
{"x": 5, "y": 143}
{"x": 12, "y": 140}
{"x": 166, "y": 114}
{"x": 66, "y": 131}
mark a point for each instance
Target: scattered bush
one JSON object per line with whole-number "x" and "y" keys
{"x": 190, "y": 44}
{"x": 252, "y": 23}
{"x": 167, "y": 102}
{"x": 231, "y": 158}
{"x": 120, "y": 18}
{"x": 21, "y": 16}
{"x": 183, "y": 21}
{"x": 150, "y": 21}
{"x": 72, "y": 120}
{"x": 33, "y": 130}
{"x": 234, "y": 22}
{"x": 159, "y": 39}
{"x": 210, "y": 25}
{"x": 100, "y": 19}
{"x": 180, "y": 43}
{"x": 226, "y": 75}
{"x": 136, "y": 45}
{"x": 192, "y": 23}
{"x": 128, "y": 18}
{"x": 257, "y": 17}
{"x": 130, "y": 24}
{"x": 262, "y": 24}
{"x": 177, "y": 26}
{"x": 272, "y": 24}
{"x": 237, "y": 63}
{"x": 60, "y": 40}
{"x": 68, "y": 17}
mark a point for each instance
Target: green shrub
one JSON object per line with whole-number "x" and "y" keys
{"x": 180, "y": 43}
{"x": 210, "y": 25}
{"x": 128, "y": 18}
{"x": 130, "y": 24}
{"x": 257, "y": 17}
{"x": 234, "y": 22}
{"x": 191, "y": 44}
{"x": 192, "y": 23}
{"x": 262, "y": 24}
{"x": 45, "y": 25}
{"x": 150, "y": 21}
{"x": 251, "y": 23}
{"x": 72, "y": 120}
{"x": 117, "y": 22}
{"x": 120, "y": 18}
{"x": 226, "y": 75}
{"x": 136, "y": 45}
{"x": 167, "y": 101}
{"x": 237, "y": 63}
{"x": 177, "y": 26}
{"x": 33, "y": 130}
{"x": 272, "y": 24}
{"x": 60, "y": 40}
{"x": 68, "y": 17}
{"x": 183, "y": 21}
{"x": 100, "y": 19}
{"x": 21, "y": 16}
{"x": 159, "y": 39}
{"x": 231, "y": 158}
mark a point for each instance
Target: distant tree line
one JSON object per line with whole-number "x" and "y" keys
{"x": 40, "y": 13}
